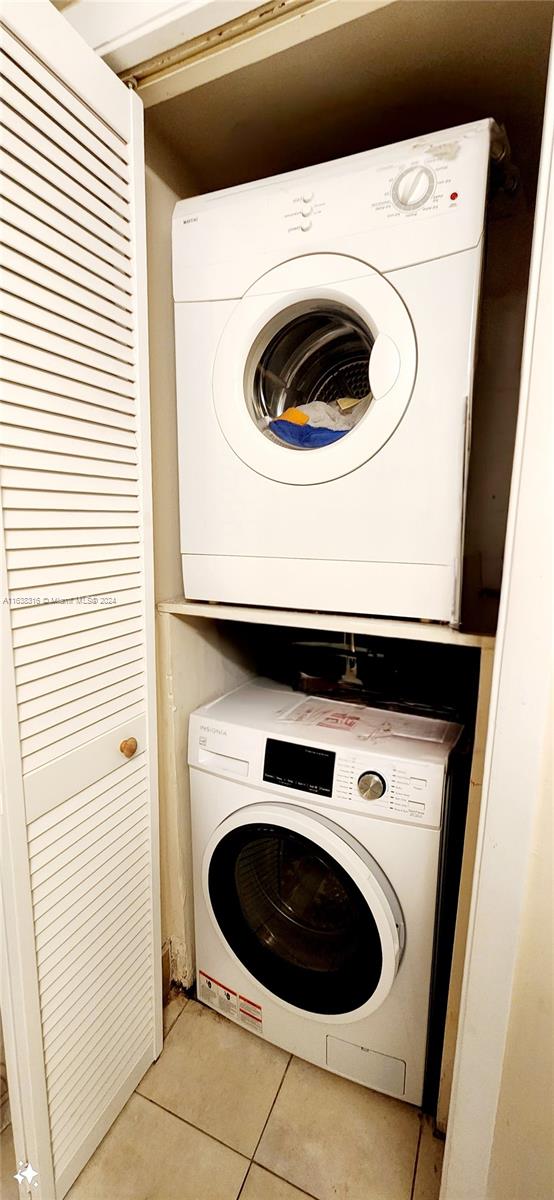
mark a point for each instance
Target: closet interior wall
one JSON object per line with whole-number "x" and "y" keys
{"x": 196, "y": 660}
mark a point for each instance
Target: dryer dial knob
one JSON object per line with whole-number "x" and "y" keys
{"x": 371, "y": 786}
{"x": 413, "y": 187}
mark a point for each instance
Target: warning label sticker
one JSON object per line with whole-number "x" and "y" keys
{"x": 250, "y": 1014}
{"x": 211, "y": 991}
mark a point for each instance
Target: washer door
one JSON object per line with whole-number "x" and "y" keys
{"x": 305, "y": 909}
{"x": 316, "y": 330}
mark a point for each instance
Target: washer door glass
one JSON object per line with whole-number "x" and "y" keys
{"x": 295, "y": 918}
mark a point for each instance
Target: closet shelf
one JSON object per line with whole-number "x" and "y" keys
{"x": 417, "y": 631}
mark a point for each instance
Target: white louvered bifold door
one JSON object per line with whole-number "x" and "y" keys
{"x": 80, "y": 856}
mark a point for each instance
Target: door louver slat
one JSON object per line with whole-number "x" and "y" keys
{"x": 45, "y": 299}
{"x": 31, "y": 211}
{"x": 26, "y": 96}
{"x": 15, "y": 168}
{"x": 19, "y": 221}
{"x": 91, "y": 1056}
{"x": 20, "y": 559}
{"x": 77, "y": 653}
{"x": 92, "y": 917}
{"x": 47, "y": 381}
{"x": 22, "y": 351}
{"x": 66, "y": 426}
{"x": 43, "y": 164}
{"x": 31, "y": 124}
{"x": 93, "y": 624}
{"x": 36, "y": 246}
{"x": 88, "y": 924}
{"x": 39, "y": 316}
{"x": 87, "y": 125}
{"x": 59, "y": 281}
{"x": 67, "y": 348}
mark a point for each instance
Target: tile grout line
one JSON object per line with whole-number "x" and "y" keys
{"x": 174, "y": 1021}
{"x": 302, "y": 1191}
{"x": 243, "y": 1184}
{"x": 191, "y": 1125}
{"x": 256, "y": 1147}
{"x": 416, "y": 1161}
{"x": 241, "y": 1189}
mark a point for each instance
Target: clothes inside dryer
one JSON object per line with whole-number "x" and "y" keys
{"x": 310, "y": 386}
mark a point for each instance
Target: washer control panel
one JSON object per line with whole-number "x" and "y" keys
{"x": 399, "y": 791}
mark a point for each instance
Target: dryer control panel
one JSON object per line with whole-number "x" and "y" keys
{"x": 424, "y": 186}
{"x": 389, "y": 207}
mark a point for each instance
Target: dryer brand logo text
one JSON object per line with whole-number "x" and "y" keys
{"x": 213, "y": 729}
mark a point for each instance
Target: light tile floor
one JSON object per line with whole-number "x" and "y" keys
{"x": 223, "y": 1114}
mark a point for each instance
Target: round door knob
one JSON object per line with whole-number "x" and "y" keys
{"x": 371, "y": 786}
{"x": 413, "y": 187}
{"x": 129, "y": 747}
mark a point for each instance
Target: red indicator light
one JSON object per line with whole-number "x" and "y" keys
{"x": 453, "y": 195}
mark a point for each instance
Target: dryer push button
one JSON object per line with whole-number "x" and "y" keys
{"x": 371, "y": 786}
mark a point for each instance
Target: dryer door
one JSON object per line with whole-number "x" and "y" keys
{"x": 315, "y": 369}
{"x": 305, "y": 909}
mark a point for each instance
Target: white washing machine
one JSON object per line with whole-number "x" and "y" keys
{"x": 352, "y": 286}
{"x": 316, "y": 839}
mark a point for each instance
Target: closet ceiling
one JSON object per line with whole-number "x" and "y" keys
{"x": 392, "y": 74}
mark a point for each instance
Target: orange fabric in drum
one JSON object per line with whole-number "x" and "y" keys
{"x": 293, "y": 415}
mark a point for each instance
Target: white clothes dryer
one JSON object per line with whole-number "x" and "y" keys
{"x": 355, "y": 282}
{"x": 316, "y": 837}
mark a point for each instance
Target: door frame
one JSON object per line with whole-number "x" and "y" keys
{"x": 19, "y": 996}
{"x": 517, "y": 736}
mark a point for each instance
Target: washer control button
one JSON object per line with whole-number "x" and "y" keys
{"x": 307, "y": 211}
{"x": 307, "y": 197}
{"x": 371, "y": 786}
{"x": 305, "y": 224}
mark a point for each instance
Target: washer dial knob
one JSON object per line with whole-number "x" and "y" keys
{"x": 413, "y": 187}
{"x": 371, "y": 786}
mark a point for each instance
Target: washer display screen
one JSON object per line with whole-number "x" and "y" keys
{"x": 306, "y": 768}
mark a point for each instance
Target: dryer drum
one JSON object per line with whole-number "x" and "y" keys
{"x": 319, "y": 354}
{"x": 295, "y": 919}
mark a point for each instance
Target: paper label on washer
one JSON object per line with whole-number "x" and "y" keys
{"x": 251, "y": 1014}
{"x": 217, "y": 994}
{"x": 366, "y": 724}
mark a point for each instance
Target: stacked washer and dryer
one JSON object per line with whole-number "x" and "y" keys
{"x": 349, "y": 290}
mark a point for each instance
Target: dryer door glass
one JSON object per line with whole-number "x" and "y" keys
{"x": 307, "y": 384}
{"x": 319, "y": 354}
{"x": 295, "y": 919}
